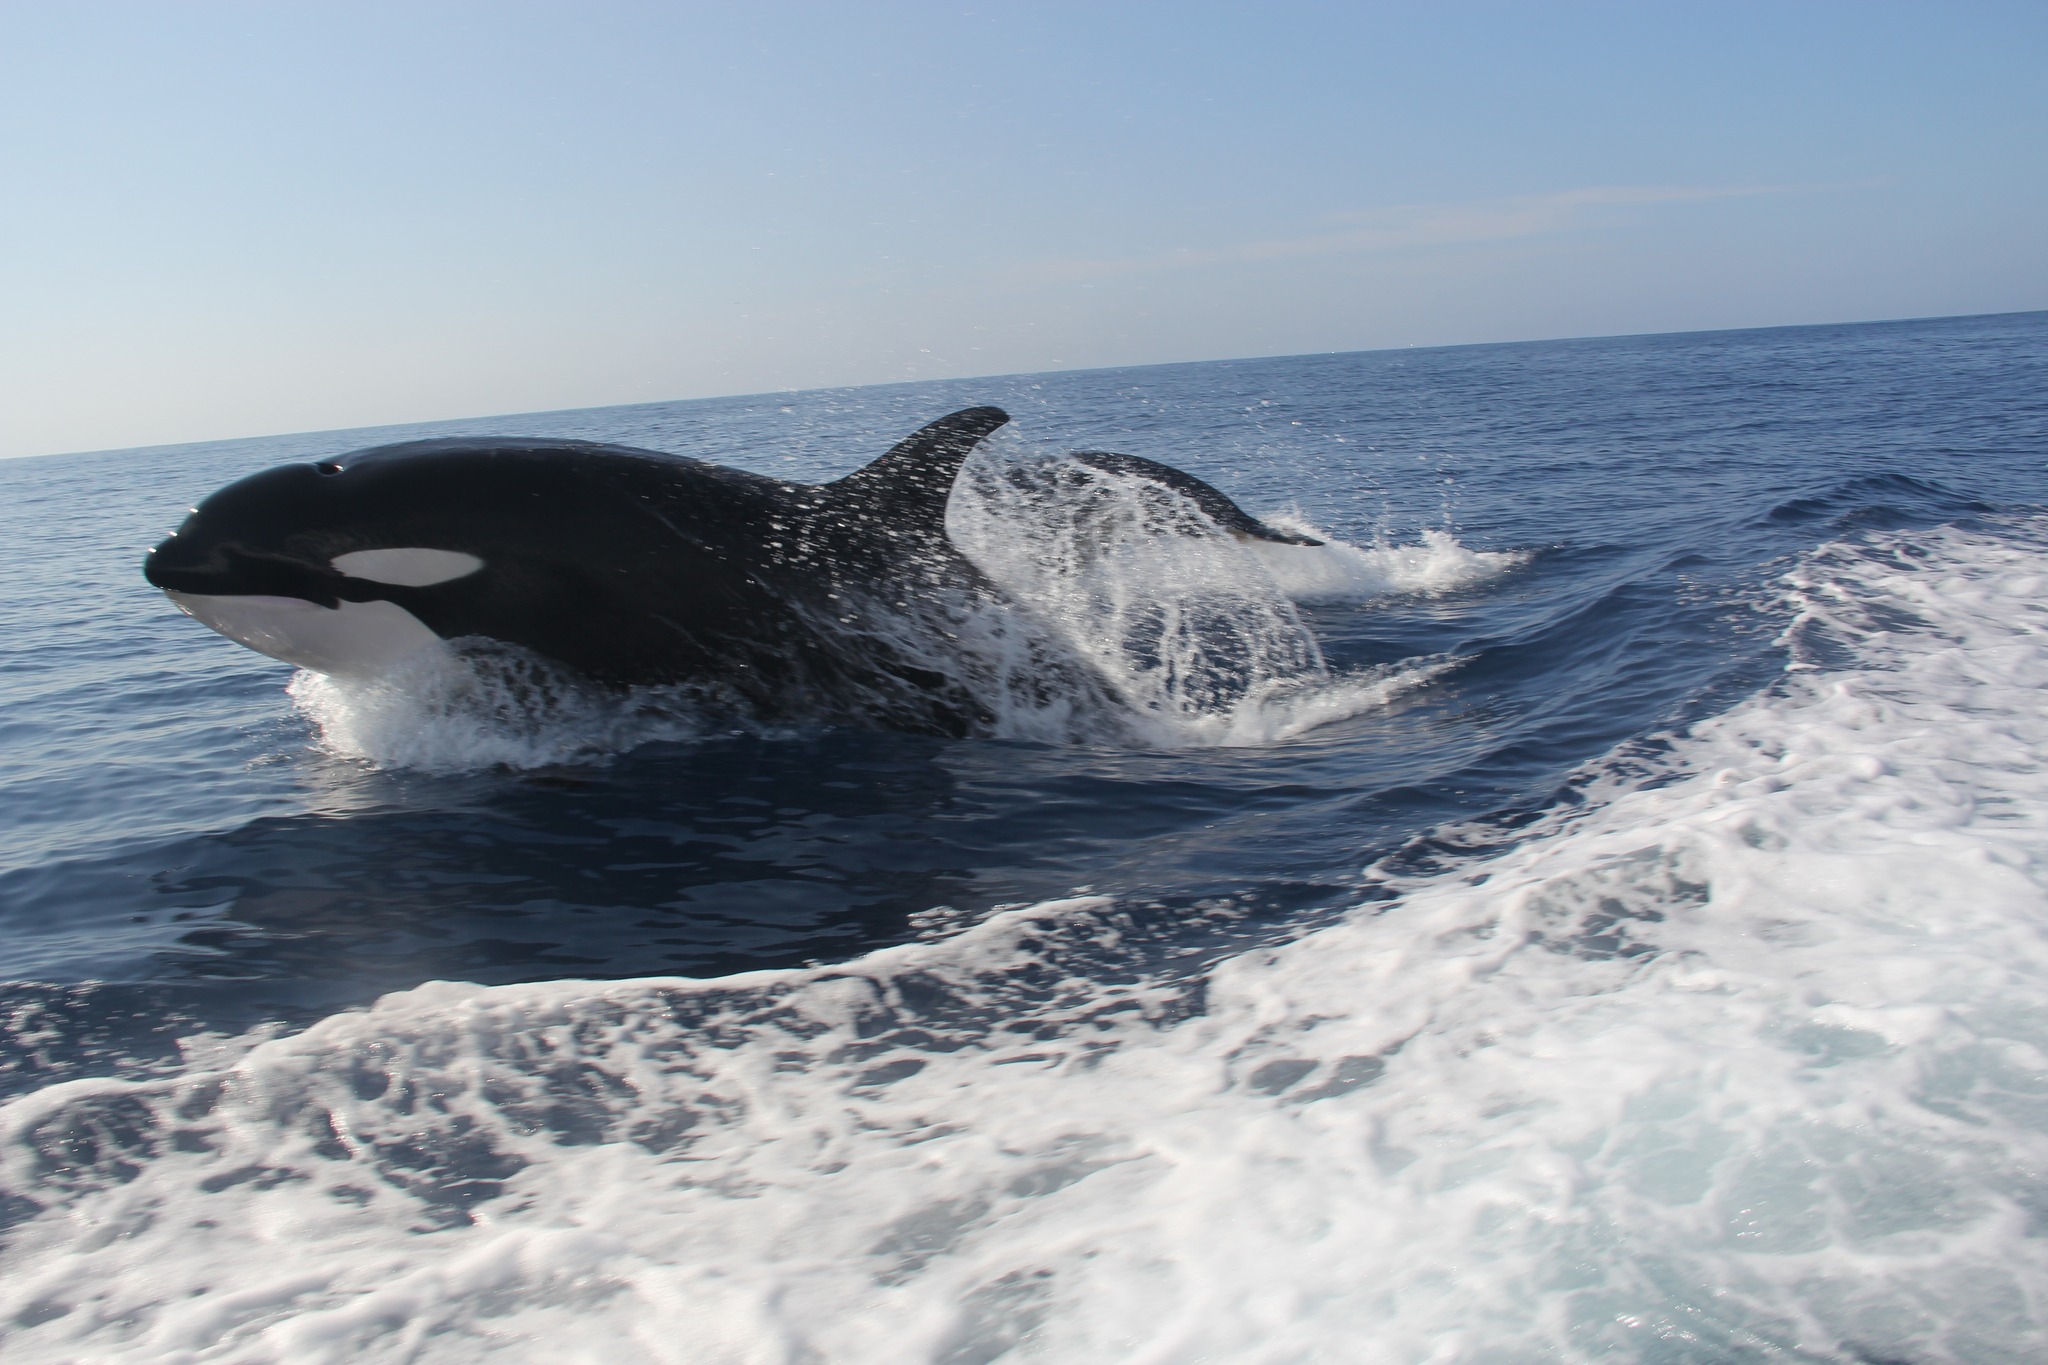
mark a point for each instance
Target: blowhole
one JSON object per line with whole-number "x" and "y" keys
{"x": 329, "y": 466}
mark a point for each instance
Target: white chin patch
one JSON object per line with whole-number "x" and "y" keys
{"x": 354, "y": 639}
{"x": 411, "y": 567}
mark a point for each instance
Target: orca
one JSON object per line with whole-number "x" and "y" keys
{"x": 631, "y": 568}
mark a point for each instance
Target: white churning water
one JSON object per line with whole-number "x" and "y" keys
{"x": 1745, "y": 1057}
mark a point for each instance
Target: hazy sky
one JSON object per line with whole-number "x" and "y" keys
{"x": 234, "y": 219}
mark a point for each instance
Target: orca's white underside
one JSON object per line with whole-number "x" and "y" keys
{"x": 354, "y": 638}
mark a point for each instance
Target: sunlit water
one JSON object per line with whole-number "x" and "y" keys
{"x": 1595, "y": 908}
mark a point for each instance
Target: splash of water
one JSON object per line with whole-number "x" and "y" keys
{"x": 1196, "y": 629}
{"x": 1336, "y": 571}
{"x": 480, "y": 705}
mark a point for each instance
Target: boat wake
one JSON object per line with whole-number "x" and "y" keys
{"x": 1736, "y": 1055}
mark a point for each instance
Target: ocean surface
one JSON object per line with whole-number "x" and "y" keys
{"x": 1595, "y": 908}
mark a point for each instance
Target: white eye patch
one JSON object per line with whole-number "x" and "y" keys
{"x": 411, "y": 567}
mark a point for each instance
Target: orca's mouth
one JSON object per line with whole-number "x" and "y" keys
{"x": 225, "y": 571}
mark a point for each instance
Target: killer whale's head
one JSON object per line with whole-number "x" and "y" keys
{"x": 307, "y": 564}
{"x": 627, "y": 566}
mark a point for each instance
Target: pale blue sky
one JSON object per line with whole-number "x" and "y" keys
{"x": 227, "y": 219}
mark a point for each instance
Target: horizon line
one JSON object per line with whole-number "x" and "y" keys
{"x": 1020, "y": 374}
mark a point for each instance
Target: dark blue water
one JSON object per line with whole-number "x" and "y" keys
{"x": 178, "y": 849}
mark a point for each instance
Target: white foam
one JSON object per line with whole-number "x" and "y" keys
{"x": 1337, "y": 571}
{"x": 1195, "y": 630}
{"x": 480, "y": 706}
{"x": 1747, "y": 1061}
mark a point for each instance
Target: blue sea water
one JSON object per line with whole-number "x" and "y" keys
{"x": 1629, "y": 944}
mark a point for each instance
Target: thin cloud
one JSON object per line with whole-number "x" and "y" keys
{"x": 1425, "y": 225}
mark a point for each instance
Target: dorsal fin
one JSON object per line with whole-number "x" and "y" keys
{"x": 911, "y": 483}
